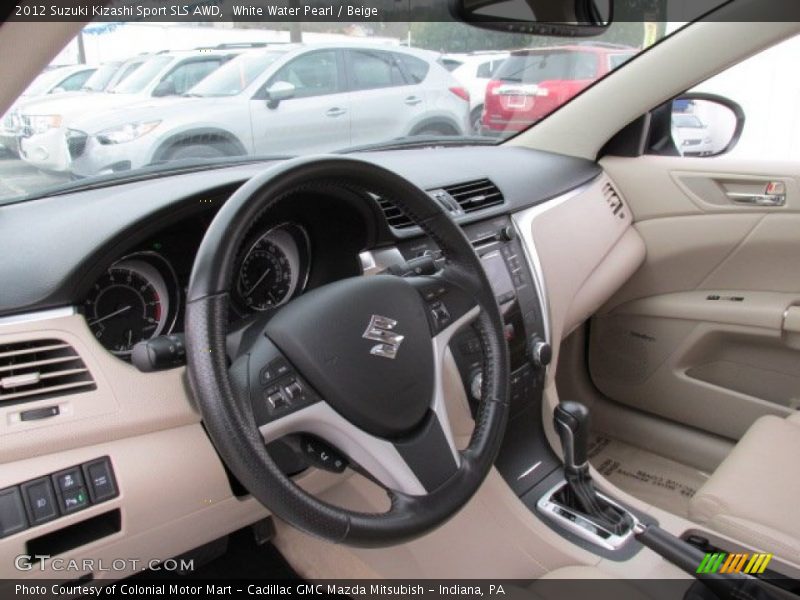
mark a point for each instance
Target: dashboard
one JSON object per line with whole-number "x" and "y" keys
{"x": 99, "y": 290}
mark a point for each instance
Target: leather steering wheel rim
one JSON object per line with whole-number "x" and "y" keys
{"x": 227, "y": 409}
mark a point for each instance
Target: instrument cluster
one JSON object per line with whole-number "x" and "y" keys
{"x": 140, "y": 296}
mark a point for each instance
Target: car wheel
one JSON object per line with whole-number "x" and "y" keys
{"x": 476, "y": 120}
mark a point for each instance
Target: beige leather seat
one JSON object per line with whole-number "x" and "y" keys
{"x": 754, "y": 495}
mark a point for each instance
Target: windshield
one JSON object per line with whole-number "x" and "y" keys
{"x": 100, "y": 78}
{"x": 267, "y": 89}
{"x": 232, "y": 78}
{"x": 141, "y": 77}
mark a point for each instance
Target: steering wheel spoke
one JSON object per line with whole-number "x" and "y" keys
{"x": 413, "y": 466}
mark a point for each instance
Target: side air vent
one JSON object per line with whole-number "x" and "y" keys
{"x": 40, "y": 369}
{"x": 394, "y": 216}
{"x": 475, "y": 195}
{"x": 613, "y": 200}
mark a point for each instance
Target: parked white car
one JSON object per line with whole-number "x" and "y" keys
{"x": 286, "y": 100}
{"x": 53, "y": 81}
{"x": 43, "y": 125}
{"x": 692, "y": 135}
{"x": 475, "y": 72}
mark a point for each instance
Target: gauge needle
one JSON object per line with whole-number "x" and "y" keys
{"x": 113, "y": 314}
{"x": 260, "y": 279}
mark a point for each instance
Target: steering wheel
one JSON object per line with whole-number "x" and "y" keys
{"x": 357, "y": 363}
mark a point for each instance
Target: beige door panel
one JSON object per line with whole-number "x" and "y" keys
{"x": 715, "y": 364}
{"x": 663, "y": 186}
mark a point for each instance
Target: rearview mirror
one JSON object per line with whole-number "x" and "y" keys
{"x": 541, "y": 17}
{"x": 705, "y": 125}
{"x": 278, "y": 92}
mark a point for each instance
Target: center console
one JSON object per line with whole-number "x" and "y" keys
{"x": 525, "y": 458}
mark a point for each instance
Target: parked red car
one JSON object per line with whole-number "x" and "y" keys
{"x": 532, "y": 83}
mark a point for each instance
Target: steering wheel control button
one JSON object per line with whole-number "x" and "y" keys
{"x": 276, "y": 401}
{"x": 100, "y": 477}
{"x": 40, "y": 500}
{"x": 12, "y": 512}
{"x": 323, "y": 456}
{"x": 440, "y": 314}
{"x": 294, "y": 391}
{"x": 275, "y": 370}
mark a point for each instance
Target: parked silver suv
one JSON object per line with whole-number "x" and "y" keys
{"x": 44, "y": 124}
{"x": 286, "y": 99}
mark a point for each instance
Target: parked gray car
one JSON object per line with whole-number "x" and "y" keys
{"x": 287, "y": 99}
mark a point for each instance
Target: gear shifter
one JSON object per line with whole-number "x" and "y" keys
{"x": 572, "y": 424}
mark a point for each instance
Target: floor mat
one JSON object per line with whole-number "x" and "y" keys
{"x": 652, "y": 478}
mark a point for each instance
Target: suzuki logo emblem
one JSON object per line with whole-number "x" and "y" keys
{"x": 381, "y": 329}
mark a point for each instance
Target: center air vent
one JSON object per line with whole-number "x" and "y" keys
{"x": 475, "y": 195}
{"x": 39, "y": 369}
{"x": 456, "y": 199}
{"x": 614, "y": 201}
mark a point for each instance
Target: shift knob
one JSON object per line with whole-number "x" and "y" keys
{"x": 571, "y": 421}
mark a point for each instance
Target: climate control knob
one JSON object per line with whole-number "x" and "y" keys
{"x": 540, "y": 352}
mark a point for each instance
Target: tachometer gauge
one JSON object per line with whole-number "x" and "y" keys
{"x": 127, "y": 305}
{"x": 273, "y": 268}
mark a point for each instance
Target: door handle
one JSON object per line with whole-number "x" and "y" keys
{"x": 774, "y": 195}
{"x": 336, "y": 112}
{"x": 757, "y": 199}
{"x": 413, "y": 100}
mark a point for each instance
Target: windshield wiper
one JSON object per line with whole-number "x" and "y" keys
{"x": 422, "y": 141}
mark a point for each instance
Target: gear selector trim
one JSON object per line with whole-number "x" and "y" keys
{"x": 579, "y": 524}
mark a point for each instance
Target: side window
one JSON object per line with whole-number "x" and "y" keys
{"x": 767, "y": 94}
{"x": 485, "y": 70}
{"x": 416, "y": 68}
{"x": 186, "y": 75}
{"x": 617, "y": 60}
{"x": 313, "y": 74}
{"x": 372, "y": 70}
{"x": 708, "y": 125}
{"x": 74, "y": 82}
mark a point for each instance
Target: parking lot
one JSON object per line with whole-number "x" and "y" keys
{"x": 20, "y": 179}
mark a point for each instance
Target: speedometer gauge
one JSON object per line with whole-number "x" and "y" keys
{"x": 265, "y": 277}
{"x": 127, "y": 305}
{"x": 273, "y": 269}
